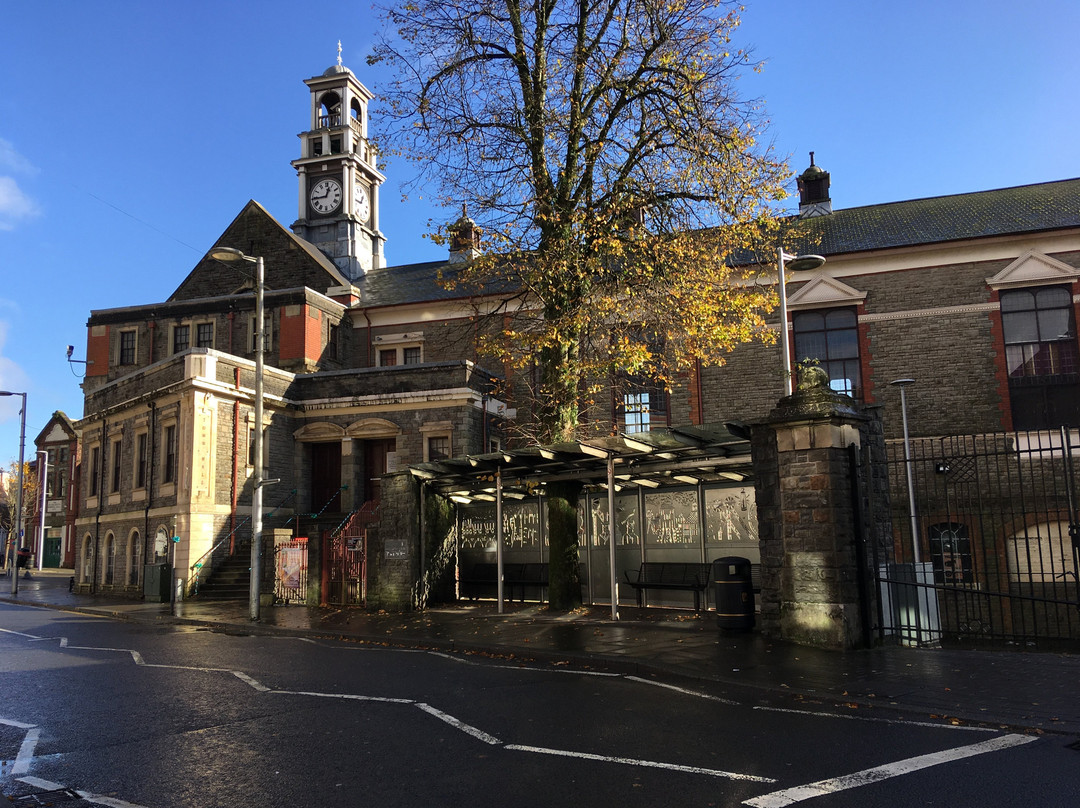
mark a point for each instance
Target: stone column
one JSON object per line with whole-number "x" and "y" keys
{"x": 814, "y": 584}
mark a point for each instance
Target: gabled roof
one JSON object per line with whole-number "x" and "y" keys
{"x": 289, "y": 260}
{"x": 981, "y": 214}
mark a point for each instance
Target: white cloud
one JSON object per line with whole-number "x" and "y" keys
{"x": 12, "y": 377}
{"x": 15, "y": 205}
{"x": 11, "y": 160}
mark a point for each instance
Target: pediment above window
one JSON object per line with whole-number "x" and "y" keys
{"x": 1033, "y": 269}
{"x": 371, "y": 428}
{"x": 320, "y": 431}
{"x": 823, "y": 292}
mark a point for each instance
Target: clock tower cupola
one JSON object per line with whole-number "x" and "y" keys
{"x": 339, "y": 181}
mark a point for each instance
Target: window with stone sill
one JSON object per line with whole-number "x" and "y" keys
{"x": 127, "y": 348}
{"x": 1042, "y": 357}
{"x": 830, "y": 339}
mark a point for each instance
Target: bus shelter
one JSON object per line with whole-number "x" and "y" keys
{"x": 675, "y": 494}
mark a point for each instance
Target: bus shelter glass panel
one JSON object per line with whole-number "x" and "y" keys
{"x": 627, "y": 545}
{"x": 731, "y": 527}
{"x": 673, "y": 534}
{"x": 522, "y": 540}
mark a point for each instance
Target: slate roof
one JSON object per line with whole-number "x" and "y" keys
{"x": 980, "y": 214}
{"x": 1022, "y": 209}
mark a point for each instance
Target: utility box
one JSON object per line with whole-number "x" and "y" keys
{"x": 157, "y": 580}
{"x": 733, "y": 593}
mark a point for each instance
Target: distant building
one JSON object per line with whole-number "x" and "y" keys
{"x": 60, "y": 441}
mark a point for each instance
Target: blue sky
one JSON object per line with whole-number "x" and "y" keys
{"x": 131, "y": 134}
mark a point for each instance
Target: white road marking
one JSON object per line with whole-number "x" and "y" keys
{"x": 873, "y": 719}
{"x": 49, "y": 785}
{"x": 348, "y": 696}
{"x": 790, "y": 796}
{"x": 652, "y": 764}
{"x": 243, "y": 677}
{"x": 458, "y": 724}
{"x": 683, "y": 690}
{"x": 7, "y": 722}
{"x": 26, "y": 752}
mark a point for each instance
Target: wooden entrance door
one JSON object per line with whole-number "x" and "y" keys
{"x": 375, "y": 452}
{"x": 326, "y": 477}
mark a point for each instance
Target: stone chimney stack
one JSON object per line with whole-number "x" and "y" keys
{"x": 814, "y": 192}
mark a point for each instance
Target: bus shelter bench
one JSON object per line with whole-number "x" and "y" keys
{"x": 529, "y": 574}
{"x": 688, "y": 577}
{"x": 480, "y": 580}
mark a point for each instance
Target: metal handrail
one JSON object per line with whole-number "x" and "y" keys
{"x": 199, "y": 562}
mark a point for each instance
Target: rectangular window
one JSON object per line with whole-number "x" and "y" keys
{"x": 60, "y": 474}
{"x": 1042, "y": 356}
{"x": 388, "y": 357}
{"x": 831, "y": 339}
{"x": 268, "y": 337}
{"x": 636, "y": 412}
{"x": 204, "y": 335}
{"x": 438, "y": 448}
{"x": 169, "y": 454}
{"x": 114, "y": 477}
{"x": 411, "y": 355}
{"x": 332, "y": 336}
{"x": 140, "y": 460}
{"x": 95, "y": 468}
{"x": 181, "y": 338}
{"x": 127, "y": 348}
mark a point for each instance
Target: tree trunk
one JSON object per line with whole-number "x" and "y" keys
{"x": 564, "y": 583}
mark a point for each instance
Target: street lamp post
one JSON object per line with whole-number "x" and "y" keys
{"x": 43, "y": 475}
{"x": 902, "y": 384}
{"x": 231, "y": 254}
{"x": 17, "y": 525}
{"x": 796, "y": 263}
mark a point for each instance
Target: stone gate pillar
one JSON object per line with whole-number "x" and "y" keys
{"x": 816, "y": 590}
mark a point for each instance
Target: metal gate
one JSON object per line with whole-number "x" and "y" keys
{"x": 997, "y": 555}
{"x": 291, "y": 571}
{"x": 344, "y": 571}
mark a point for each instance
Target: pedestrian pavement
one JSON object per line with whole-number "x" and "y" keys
{"x": 1017, "y": 689}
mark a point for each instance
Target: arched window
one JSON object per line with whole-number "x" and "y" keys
{"x": 86, "y": 560}
{"x": 950, "y": 552}
{"x": 134, "y": 551}
{"x": 110, "y": 559}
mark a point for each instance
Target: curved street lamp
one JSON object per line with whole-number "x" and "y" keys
{"x": 17, "y": 522}
{"x": 796, "y": 263}
{"x": 231, "y": 254}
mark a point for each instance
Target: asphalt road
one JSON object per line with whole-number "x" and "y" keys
{"x": 131, "y": 715}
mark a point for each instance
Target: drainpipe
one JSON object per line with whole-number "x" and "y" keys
{"x": 236, "y": 458}
{"x": 369, "y": 348}
{"x": 149, "y": 485}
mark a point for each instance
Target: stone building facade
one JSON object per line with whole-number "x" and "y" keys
{"x": 371, "y": 369}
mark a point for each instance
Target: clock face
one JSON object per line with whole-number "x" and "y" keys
{"x": 361, "y": 203}
{"x": 326, "y": 196}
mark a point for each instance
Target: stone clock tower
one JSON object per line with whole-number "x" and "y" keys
{"x": 339, "y": 183}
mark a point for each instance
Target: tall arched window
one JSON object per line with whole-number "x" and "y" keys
{"x": 134, "y": 551}
{"x": 110, "y": 559}
{"x": 86, "y": 560}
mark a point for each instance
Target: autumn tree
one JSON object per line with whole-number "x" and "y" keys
{"x": 618, "y": 176}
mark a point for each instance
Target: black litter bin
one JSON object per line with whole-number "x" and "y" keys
{"x": 733, "y": 593}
